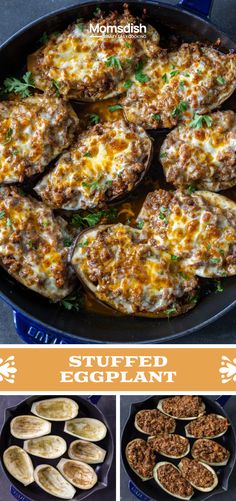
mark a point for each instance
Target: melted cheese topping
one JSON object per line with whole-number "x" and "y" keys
{"x": 32, "y": 245}
{"x": 205, "y": 157}
{"x": 131, "y": 274}
{"x": 107, "y": 161}
{"x": 192, "y": 79}
{"x": 79, "y": 61}
{"x": 33, "y": 132}
{"x": 200, "y": 230}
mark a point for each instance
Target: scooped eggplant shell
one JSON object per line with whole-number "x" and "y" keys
{"x": 56, "y": 409}
{"x": 105, "y": 163}
{"x": 197, "y": 474}
{"x": 181, "y": 407}
{"x": 48, "y": 447}
{"x": 87, "y": 452}
{"x": 172, "y": 479}
{"x": 27, "y": 426}
{"x": 127, "y": 271}
{"x": 19, "y": 464}
{"x": 52, "y": 482}
{"x": 89, "y": 429}
{"x": 79, "y": 474}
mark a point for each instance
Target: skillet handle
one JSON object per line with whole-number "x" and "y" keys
{"x": 94, "y": 399}
{"x": 200, "y": 7}
{"x": 223, "y": 399}
{"x": 136, "y": 492}
{"x": 17, "y": 494}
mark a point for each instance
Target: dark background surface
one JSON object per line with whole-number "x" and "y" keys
{"x": 125, "y": 403}
{"x": 15, "y": 14}
{"x": 107, "y": 405}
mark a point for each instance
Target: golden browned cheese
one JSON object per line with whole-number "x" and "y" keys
{"x": 33, "y": 132}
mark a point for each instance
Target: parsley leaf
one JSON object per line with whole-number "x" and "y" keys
{"x": 114, "y": 61}
{"x": 9, "y": 223}
{"x": 73, "y": 301}
{"x": 93, "y": 218}
{"x": 115, "y": 107}
{"x": 44, "y": 38}
{"x": 128, "y": 45}
{"x": 67, "y": 242}
{"x": 220, "y": 80}
{"x": 2, "y": 214}
{"x": 92, "y": 184}
{"x": 140, "y": 224}
{"x": 56, "y": 86}
{"x": 199, "y": 120}
{"x": 156, "y": 116}
{"x": 97, "y": 11}
{"x": 80, "y": 23}
{"x": 174, "y": 73}
{"x": 191, "y": 189}
{"x": 139, "y": 75}
{"x": 170, "y": 311}
{"x": 182, "y": 106}
{"x": 165, "y": 78}
{"x": 215, "y": 260}
{"x": 181, "y": 85}
{"x": 88, "y": 155}
{"x": 94, "y": 118}
{"x": 128, "y": 84}
{"x": 21, "y": 87}
{"x": 174, "y": 257}
{"x": 183, "y": 275}
{"x": 8, "y": 136}
{"x": 218, "y": 286}
{"x": 163, "y": 155}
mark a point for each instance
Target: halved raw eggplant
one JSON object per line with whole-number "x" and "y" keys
{"x": 56, "y": 409}
{"x": 48, "y": 447}
{"x": 141, "y": 458}
{"x": 198, "y": 474}
{"x": 169, "y": 478}
{"x": 19, "y": 464}
{"x": 79, "y": 474}
{"x": 107, "y": 162}
{"x": 184, "y": 407}
{"x": 170, "y": 445}
{"x": 89, "y": 429}
{"x": 27, "y": 426}
{"x": 87, "y": 452}
{"x": 210, "y": 452}
{"x": 52, "y": 482}
{"x": 125, "y": 269}
{"x": 153, "y": 422}
{"x": 208, "y": 426}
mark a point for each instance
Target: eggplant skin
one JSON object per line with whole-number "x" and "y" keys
{"x": 85, "y": 76}
{"x": 52, "y": 482}
{"x": 116, "y": 263}
{"x": 79, "y": 474}
{"x": 56, "y": 409}
{"x": 19, "y": 465}
{"x": 105, "y": 163}
{"x": 32, "y": 245}
{"x": 174, "y": 90}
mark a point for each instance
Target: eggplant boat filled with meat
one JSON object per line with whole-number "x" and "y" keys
{"x": 89, "y": 429}
{"x": 56, "y": 409}
{"x": 107, "y": 162}
{"x": 81, "y": 65}
{"x": 87, "y": 452}
{"x": 33, "y": 132}
{"x": 154, "y": 422}
{"x": 176, "y": 85}
{"x": 141, "y": 458}
{"x": 79, "y": 474}
{"x": 171, "y": 480}
{"x": 170, "y": 445}
{"x": 51, "y": 481}
{"x": 19, "y": 465}
{"x": 27, "y": 426}
{"x": 184, "y": 407}
{"x": 128, "y": 271}
{"x": 47, "y": 447}
{"x": 33, "y": 245}
{"x": 202, "y": 153}
{"x": 198, "y": 229}
{"x": 201, "y": 476}
{"x": 210, "y": 452}
{"x": 209, "y": 426}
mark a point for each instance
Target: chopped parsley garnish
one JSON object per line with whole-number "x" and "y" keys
{"x": 128, "y": 45}
{"x": 191, "y": 189}
{"x": 128, "y": 84}
{"x": 56, "y": 86}
{"x": 93, "y": 218}
{"x": 84, "y": 243}
{"x": 182, "y": 106}
{"x": 92, "y": 184}
{"x": 73, "y": 301}
{"x": 165, "y": 78}
{"x": 9, "y": 223}
{"x": 199, "y": 71}
{"x": 161, "y": 213}
{"x": 97, "y": 11}
{"x": 174, "y": 257}
{"x": 2, "y": 214}
{"x": 114, "y": 61}
{"x": 140, "y": 224}
{"x": 21, "y": 87}
{"x": 187, "y": 75}
{"x": 139, "y": 75}
{"x": 218, "y": 286}
{"x": 8, "y": 136}
{"x": 163, "y": 155}
{"x": 115, "y": 107}
{"x": 80, "y": 23}
{"x": 181, "y": 85}
{"x": 220, "y": 80}
{"x": 67, "y": 242}
{"x": 200, "y": 120}
{"x": 170, "y": 311}
{"x": 44, "y": 38}
{"x": 174, "y": 73}
{"x": 215, "y": 260}
{"x": 88, "y": 155}
{"x": 183, "y": 275}
{"x": 30, "y": 244}
{"x": 94, "y": 118}
{"x": 156, "y": 116}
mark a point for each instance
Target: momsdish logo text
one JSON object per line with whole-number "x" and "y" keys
{"x": 130, "y": 30}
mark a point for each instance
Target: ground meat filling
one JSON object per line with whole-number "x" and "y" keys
{"x": 141, "y": 457}
{"x": 181, "y": 407}
{"x": 154, "y": 422}
{"x": 210, "y": 451}
{"x": 208, "y": 426}
{"x": 172, "y": 480}
{"x": 196, "y": 473}
{"x": 171, "y": 445}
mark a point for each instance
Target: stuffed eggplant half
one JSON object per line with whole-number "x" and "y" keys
{"x": 201, "y": 476}
{"x": 141, "y": 458}
{"x": 186, "y": 407}
{"x": 209, "y": 426}
{"x": 153, "y": 422}
{"x": 210, "y": 452}
{"x": 171, "y": 480}
{"x": 170, "y": 445}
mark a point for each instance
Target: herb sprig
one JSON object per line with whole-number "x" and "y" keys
{"x": 22, "y": 87}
